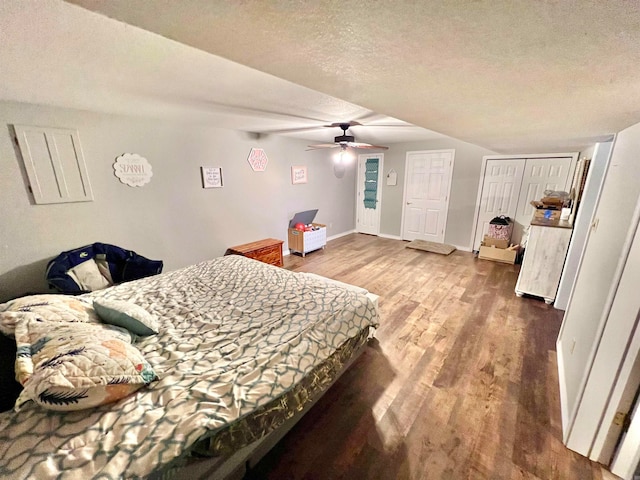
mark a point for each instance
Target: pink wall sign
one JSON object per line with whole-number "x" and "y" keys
{"x": 258, "y": 160}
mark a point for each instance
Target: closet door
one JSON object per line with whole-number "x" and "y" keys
{"x": 540, "y": 174}
{"x": 499, "y": 196}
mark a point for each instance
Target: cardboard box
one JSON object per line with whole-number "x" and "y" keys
{"x": 541, "y": 213}
{"x": 495, "y": 242}
{"x": 552, "y": 201}
{"x": 495, "y": 254}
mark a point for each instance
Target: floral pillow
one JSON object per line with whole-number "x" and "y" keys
{"x": 73, "y": 366}
{"x": 46, "y": 307}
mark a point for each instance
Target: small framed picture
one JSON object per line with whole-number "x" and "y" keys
{"x": 298, "y": 174}
{"x": 211, "y": 177}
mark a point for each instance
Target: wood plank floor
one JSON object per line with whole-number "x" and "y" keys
{"x": 460, "y": 383}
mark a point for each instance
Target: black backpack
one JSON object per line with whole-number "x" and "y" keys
{"x": 501, "y": 220}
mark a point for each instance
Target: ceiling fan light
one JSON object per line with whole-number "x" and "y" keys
{"x": 343, "y": 156}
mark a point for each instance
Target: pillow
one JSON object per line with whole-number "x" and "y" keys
{"x": 127, "y": 315}
{"x": 88, "y": 276}
{"x": 47, "y": 307}
{"x": 72, "y": 366}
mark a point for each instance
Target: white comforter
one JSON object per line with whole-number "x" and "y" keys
{"x": 234, "y": 335}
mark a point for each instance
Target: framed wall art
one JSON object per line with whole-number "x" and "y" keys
{"x": 298, "y": 174}
{"x": 211, "y": 177}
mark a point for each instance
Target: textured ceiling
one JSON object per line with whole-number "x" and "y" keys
{"x": 512, "y": 76}
{"x": 505, "y": 74}
{"x": 56, "y": 53}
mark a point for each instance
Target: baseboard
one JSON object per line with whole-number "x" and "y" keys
{"x": 463, "y": 249}
{"x": 333, "y": 237}
{"x": 392, "y": 237}
{"x": 564, "y": 404}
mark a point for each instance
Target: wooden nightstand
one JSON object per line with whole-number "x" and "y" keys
{"x": 268, "y": 250}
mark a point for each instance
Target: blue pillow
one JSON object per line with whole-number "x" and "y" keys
{"x": 127, "y": 315}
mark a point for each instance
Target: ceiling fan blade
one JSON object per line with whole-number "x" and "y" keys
{"x": 366, "y": 145}
{"x": 232, "y": 109}
{"x": 376, "y": 147}
{"x": 310, "y": 128}
{"x": 293, "y": 130}
{"x": 323, "y": 145}
{"x": 351, "y": 123}
{"x": 370, "y": 119}
{"x": 387, "y": 125}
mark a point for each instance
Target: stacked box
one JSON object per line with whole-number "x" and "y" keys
{"x": 548, "y": 209}
{"x": 544, "y": 214}
{"x": 497, "y": 249}
{"x": 503, "y": 255}
{"x": 495, "y": 242}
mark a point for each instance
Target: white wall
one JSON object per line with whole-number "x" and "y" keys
{"x": 464, "y": 187}
{"x": 172, "y": 218}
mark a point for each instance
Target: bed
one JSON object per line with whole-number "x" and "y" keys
{"x": 242, "y": 350}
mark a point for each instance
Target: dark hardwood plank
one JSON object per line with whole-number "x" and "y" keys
{"x": 460, "y": 383}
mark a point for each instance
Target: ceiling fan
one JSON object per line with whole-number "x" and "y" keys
{"x": 345, "y": 141}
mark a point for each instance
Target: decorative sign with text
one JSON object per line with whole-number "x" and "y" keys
{"x": 298, "y": 174}
{"x": 211, "y": 177}
{"x": 132, "y": 169}
{"x": 258, "y": 160}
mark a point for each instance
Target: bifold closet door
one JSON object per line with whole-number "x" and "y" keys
{"x": 500, "y": 191}
{"x": 509, "y": 186}
{"x": 540, "y": 174}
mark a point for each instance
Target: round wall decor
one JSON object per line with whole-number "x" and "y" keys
{"x": 132, "y": 169}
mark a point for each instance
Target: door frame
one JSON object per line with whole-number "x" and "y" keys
{"x": 627, "y": 456}
{"x": 380, "y": 157}
{"x": 452, "y": 151}
{"x": 483, "y": 168}
{"x": 590, "y": 429}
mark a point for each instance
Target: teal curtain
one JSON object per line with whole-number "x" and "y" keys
{"x": 371, "y": 183}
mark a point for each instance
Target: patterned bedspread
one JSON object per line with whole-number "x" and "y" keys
{"x": 235, "y": 336}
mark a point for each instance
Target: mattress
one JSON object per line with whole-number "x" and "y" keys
{"x": 237, "y": 337}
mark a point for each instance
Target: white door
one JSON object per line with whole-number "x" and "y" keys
{"x": 369, "y": 191}
{"x": 590, "y": 320}
{"x": 623, "y": 323}
{"x": 426, "y": 194}
{"x": 499, "y": 194}
{"x": 627, "y": 458}
{"x": 540, "y": 174}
